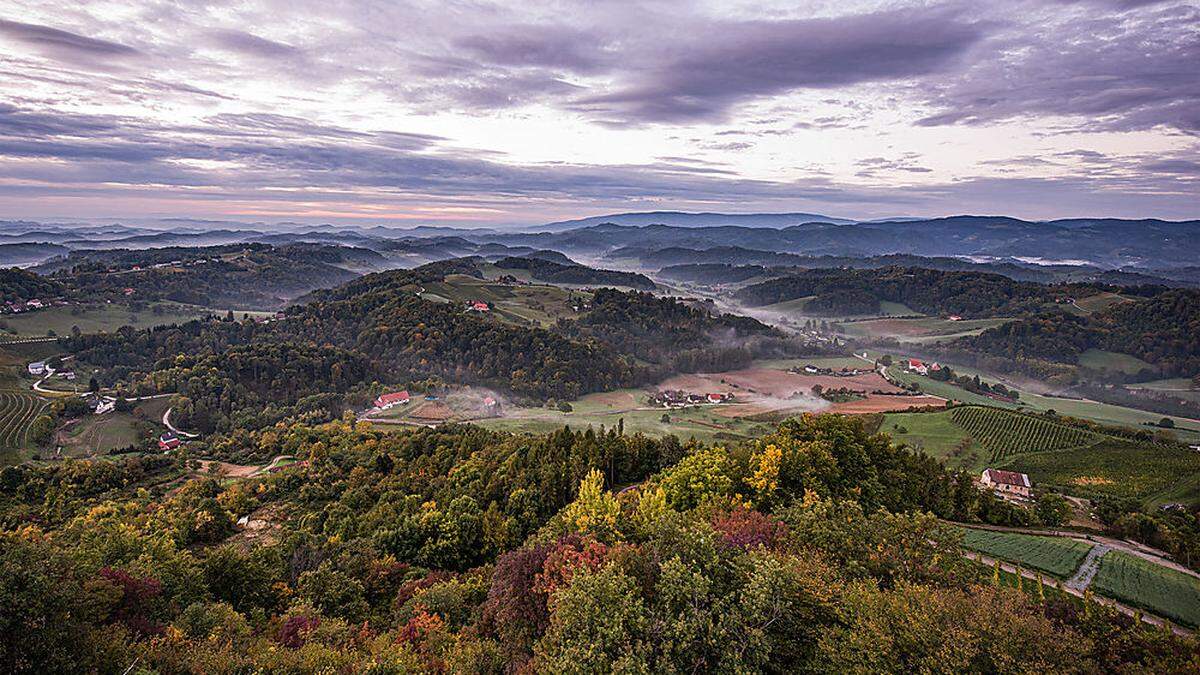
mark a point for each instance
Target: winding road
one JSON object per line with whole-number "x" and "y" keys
{"x": 166, "y": 420}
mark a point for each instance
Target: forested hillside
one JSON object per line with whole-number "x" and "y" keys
{"x": 256, "y": 276}
{"x": 555, "y": 272}
{"x": 377, "y": 329}
{"x": 970, "y": 294}
{"x": 1163, "y": 330}
{"x": 459, "y": 550}
{"x": 17, "y": 285}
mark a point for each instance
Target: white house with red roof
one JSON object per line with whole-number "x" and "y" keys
{"x": 1007, "y": 482}
{"x": 391, "y": 400}
{"x": 168, "y": 441}
{"x": 478, "y": 306}
{"x": 916, "y": 366}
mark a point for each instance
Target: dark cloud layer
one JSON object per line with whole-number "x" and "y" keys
{"x": 263, "y": 98}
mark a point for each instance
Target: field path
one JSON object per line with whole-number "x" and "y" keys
{"x": 1132, "y": 548}
{"x": 1088, "y": 568}
{"x": 1108, "y": 602}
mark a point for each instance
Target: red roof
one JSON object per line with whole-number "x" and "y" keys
{"x": 1008, "y": 477}
{"x": 488, "y": 400}
{"x": 914, "y": 363}
{"x": 479, "y": 306}
{"x": 716, "y": 398}
{"x": 395, "y": 397}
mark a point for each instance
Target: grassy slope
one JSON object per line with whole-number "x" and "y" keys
{"x": 938, "y": 436}
{"x": 1141, "y": 583}
{"x": 1056, "y": 556}
{"x": 97, "y": 318}
{"x": 1099, "y": 359}
{"x": 1092, "y": 410}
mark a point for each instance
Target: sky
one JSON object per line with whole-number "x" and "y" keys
{"x": 480, "y": 114}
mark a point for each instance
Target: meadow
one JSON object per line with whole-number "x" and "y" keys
{"x": 938, "y": 435}
{"x": 1141, "y": 583}
{"x": 96, "y": 318}
{"x": 539, "y": 304}
{"x": 1056, "y": 556}
{"x": 1098, "y": 359}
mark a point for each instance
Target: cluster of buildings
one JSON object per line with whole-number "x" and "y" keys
{"x": 18, "y": 307}
{"x": 810, "y": 369}
{"x": 921, "y": 368}
{"x": 683, "y": 399}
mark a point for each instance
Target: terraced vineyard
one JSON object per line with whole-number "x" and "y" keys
{"x": 1141, "y": 583}
{"x": 1056, "y": 556}
{"x": 17, "y": 410}
{"x": 1004, "y": 433}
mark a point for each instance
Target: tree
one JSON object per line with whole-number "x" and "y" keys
{"x": 1053, "y": 509}
{"x": 1166, "y": 423}
{"x": 93, "y": 385}
{"x": 564, "y": 407}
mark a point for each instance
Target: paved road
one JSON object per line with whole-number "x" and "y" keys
{"x": 166, "y": 420}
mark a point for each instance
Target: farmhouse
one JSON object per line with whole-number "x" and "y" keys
{"x": 168, "y": 441}
{"x": 1007, "y": 482}
{"x": 391, "y": 400}
{"x": 478, "y": 306}
{"x": 916, "y": 366}
{"x": 954, "y": 317}
{"x": 37, "y": 368}
{"x": 106, "y": 405}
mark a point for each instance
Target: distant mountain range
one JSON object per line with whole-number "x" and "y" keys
{"x": 1102, "y": 243}
{"x": 682, "y": 219}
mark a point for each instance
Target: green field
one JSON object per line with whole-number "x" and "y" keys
{"x": 943, "y": 389}
{"x": 1056, "y": 556}
{"x": 1112, "y": 467}
{"x": 95, "y": 435}
{"x": 796, "y": 308}
{"x": 1005, "y": 433}
{"x": 628, "y": 405}
{"x": 923, "y": 330}
{"x": 1098, "y": 359}
{"x": 96, "y": 318}
{"x": 1141, "y": 583}
{"x": 532, "y": 304}
{"x": 1091, "y": 410}
{"x": 938, "y": 435}
{"x": 1098, "y": 302}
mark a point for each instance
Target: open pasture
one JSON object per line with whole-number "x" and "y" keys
{"x": 1141, "y": 583}
{"x": 1056, "y": 556}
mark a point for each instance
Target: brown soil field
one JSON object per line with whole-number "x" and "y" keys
{"x": 875, "y": 404}
{"x": 764, "y": 390}
{"x": 772, "y": 383}
{"x": 434, "y": 411}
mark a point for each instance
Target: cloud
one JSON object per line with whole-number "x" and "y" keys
{"x": 730, "y": 63}
{"x": 79, "y": 50}
{"x": 1116, "y": 71}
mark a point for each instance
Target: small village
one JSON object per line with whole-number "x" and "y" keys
{"x": 675, "y": 398}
